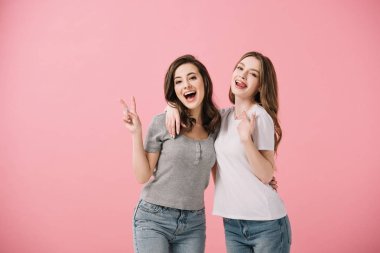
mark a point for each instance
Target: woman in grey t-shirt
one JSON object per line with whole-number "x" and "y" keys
{"x": 170, "y": 214}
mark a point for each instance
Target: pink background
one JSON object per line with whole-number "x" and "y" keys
{"x": 65, "y": 172}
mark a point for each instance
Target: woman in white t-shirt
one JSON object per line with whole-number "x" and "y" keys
{"x": 254, "y": 216}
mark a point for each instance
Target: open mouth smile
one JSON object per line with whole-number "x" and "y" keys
{"x": 240, "y": 85}
{"x": 190, "y": 95}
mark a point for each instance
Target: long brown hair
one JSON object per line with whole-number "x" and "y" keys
{"x": 267, "y": 94}
{"x": 210, "y": 116}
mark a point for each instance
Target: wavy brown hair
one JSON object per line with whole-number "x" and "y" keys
{"x": 267, "y": 94}
{"x": 210, "y": 116}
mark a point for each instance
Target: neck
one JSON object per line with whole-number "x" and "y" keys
{"x": 196, "y": 114}
{"x": 242, "y": 105}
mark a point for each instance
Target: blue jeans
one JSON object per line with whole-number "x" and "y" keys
{"x": 247, "y": 236}
{"x": 162, "y": 229}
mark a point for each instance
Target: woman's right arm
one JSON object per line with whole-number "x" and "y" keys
{"x": 143, "y": 163}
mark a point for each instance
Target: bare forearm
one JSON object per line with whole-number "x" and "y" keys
{"x": 140, "y": 161}
{"x": 261, "y": 167}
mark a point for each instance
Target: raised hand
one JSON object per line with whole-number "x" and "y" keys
{"x": 131, "y": 118}
{"x": 246, "y": 127}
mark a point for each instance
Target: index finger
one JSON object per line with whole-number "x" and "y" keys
{"x": 177, "y": 126}
{"x": 133, "y": 106}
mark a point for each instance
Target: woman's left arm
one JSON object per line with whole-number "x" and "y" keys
{"x": 261, "y": 161}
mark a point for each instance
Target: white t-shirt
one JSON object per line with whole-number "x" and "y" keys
{"x": 239, "y": 194}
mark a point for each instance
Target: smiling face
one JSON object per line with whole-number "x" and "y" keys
{"x": 246, "y": 78}
{"x": 189, "y": 86}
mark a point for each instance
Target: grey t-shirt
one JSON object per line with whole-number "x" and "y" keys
{"x": 183, "y": 168}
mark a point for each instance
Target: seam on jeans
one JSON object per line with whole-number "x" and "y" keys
{"x": 288, "y": 229}
{"x": 134, "y": 226}
{"x": 134, "y": 213}
{"x": 285, "y": 234}
{"x": 281, "y": 221}
{"x": 134, "y": 239}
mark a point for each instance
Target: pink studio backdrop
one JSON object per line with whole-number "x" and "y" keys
{"x": 65, "y": 157}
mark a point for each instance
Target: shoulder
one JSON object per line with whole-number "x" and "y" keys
{"x": 260, "y": 111}
{"x": 159, "y": 118}
{"x": 225, "y": 111}
{"x": 157, "y": 129}
{"x": 158, "y": 121}
{"x": 261, "y": 114}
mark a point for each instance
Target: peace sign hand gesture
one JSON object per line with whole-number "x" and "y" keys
{"x": 131, "y": 119}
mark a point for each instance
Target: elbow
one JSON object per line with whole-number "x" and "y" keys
{"x": 142, "y": 174}
{"x": 269, "y": 174}
{"x": 265, "y": 179}
{"x": 142, "y": 178}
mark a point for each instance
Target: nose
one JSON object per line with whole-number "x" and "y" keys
{"x": 243, "y": 74}
{"x": 188, "y": 84}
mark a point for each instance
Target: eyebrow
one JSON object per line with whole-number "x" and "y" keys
{"x": 191, "y": 73}
{"x": 240, "y": 63}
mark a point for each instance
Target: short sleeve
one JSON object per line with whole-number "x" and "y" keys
{"x": 222, "y": 112}
{"x": 263, "y": 134}
{"x": 155, "y": 135}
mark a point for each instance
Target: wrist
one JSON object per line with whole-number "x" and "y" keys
{"x": 247, "y": 141}
{"x": 137, "y": 134}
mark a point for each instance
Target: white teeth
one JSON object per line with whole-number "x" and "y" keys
{"x": 188, "y": 93}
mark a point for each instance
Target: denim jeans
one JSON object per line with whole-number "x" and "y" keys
{"x": 247, "y": 236}
{"x": 159, "y": 229}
